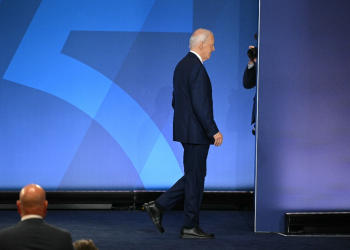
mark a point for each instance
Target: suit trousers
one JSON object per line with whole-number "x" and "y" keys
{"x": 191, "y": 186}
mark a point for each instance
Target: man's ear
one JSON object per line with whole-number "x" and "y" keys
{"x": 18, "y": 203}
{"x": 45, "y": 208}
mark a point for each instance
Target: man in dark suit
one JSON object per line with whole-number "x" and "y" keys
{"x": 195, "y": 128}
{"x": 249, "y": 82}
{"x": 32, "y": 232}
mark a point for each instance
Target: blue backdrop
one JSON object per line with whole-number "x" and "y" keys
{"x": 303, "y": 162}
{"x": 85, "y": 92}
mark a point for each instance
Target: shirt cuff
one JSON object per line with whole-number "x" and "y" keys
{"x": 250, "y": 65}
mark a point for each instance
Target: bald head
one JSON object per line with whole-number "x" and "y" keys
{"x": 32, "y": 200}
{"x": 202, "y": 42}
{"x": 200, "y": 35}
{"x": 84, "y": 245}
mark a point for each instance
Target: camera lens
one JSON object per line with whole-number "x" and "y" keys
{"x": 252, "y": 53}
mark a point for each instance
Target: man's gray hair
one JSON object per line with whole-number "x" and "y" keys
{"x": 201, "y": 37}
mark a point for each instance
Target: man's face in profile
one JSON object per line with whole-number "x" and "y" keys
{"x": 208, "y": 47}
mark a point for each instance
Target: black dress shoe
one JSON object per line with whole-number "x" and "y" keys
{"x": 195, "y": 233}
{"x": 155, "y": 215}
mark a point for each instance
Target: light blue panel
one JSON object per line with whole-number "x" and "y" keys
{"x": 135, "y": 132}
{"x": 161, "y": 170}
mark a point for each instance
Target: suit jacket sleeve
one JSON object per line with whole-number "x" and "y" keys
{"x": 173, "y": 101}
{"x": 202, "y": 101}
{"x": 249, "y": 77}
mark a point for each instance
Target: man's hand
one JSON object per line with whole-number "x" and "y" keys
{"x": 218, "y": 139}
{"x": 251, "y": 61}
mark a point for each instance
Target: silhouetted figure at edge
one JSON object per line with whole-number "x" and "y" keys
{"x": 249, "y": 79}
{"x": 195, "y": 128}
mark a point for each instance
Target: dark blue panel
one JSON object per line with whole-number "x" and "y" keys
{"x": 14, "y": 16}
{"x": 304, "y": 110}
{"x": 103, "y": 51}
{"x": 147, "y": 71}
{"x": 170, "y": 16}
{"x": 207, "y": 13}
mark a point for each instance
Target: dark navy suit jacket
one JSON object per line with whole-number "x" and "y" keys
{"x": 193, "y": 103}
{"x": 35, "y": 234}
{"x": 249, "y": 81}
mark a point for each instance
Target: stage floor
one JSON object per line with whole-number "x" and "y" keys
{"x": 114, "y": 229}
